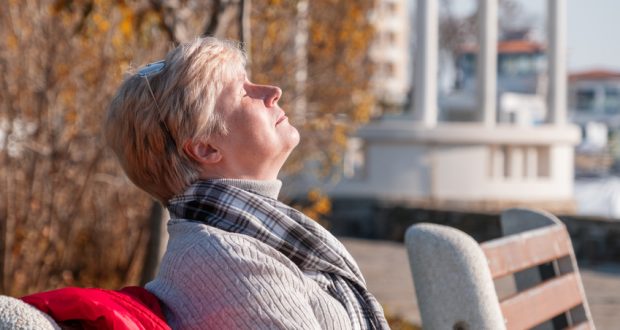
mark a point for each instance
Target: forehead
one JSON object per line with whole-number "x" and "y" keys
{"x": 233, "y": 77}
{"x": 233, "y": 73}
{"x": 232, "y": 84}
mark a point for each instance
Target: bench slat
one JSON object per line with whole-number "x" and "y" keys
{"x": 518, "y": 252}
{"x": 542, "y": 302}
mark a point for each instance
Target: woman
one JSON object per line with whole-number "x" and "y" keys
{"x": 193, "y": 132}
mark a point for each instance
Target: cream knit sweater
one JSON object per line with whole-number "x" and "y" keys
{"x": 212, "y": 279}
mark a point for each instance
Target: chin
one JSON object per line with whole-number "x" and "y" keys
{"x": 291, "y": 142}
{"x": 294, "y": 138}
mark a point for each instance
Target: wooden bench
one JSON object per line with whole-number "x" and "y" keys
{"x": 454, "y": 276}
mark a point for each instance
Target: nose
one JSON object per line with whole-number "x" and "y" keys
{"x": 272, "y": 95}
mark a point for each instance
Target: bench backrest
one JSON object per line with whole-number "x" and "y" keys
{"x": 448, "y": 266}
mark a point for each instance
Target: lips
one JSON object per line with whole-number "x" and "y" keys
{"x": 281, "y": 118}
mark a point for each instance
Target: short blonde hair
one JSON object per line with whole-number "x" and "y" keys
{"x": 152, "y": 115}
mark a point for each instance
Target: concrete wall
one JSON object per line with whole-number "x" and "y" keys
{"x": 464, "y": 163}
{"x": 395, "y": 171}
{"x": 594, "y": 239}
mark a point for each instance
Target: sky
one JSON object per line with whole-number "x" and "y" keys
{"x": 593, "y": 35}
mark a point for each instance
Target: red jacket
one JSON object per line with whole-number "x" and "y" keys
{"x": 129, "y": 308}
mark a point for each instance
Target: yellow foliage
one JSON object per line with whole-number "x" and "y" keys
{"x": 69, "y": 198}
{"x": 100, "y": 22}
{"x": 340, "y": 136}
{"x": 318, "y": 205}
{"x": 11, "y": 42}
{"x": 323, "y": 205}
{"x": 126, "y": 25}
{"x": 70, "y": 117}
{"x": 314, "y": 195}
{"x": 64, "y": 59}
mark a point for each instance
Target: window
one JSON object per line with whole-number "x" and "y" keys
{"x": 612, "y": 100}
{"x": 585, "y": 100}
{"x": 517, "y": 64}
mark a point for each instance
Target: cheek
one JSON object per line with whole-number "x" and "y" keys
{"x": 251, "y": 131}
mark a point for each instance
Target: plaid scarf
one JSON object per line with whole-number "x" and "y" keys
{"x": 313, "y": 249}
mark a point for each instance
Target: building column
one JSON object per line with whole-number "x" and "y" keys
{"x": 556, "y": 59}
{"x": 487, "y": 61}
{"x": 425, "y": 70}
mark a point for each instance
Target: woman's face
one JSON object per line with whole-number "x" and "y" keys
{"x": 260, "y": 137}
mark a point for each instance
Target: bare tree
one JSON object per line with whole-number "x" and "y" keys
{"x": 68, "y": 215}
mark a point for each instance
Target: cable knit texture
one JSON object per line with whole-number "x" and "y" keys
{"x": 18, "y": 315}
{"x": 211, "y": 278}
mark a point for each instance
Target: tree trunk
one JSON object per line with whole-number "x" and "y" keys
{"x": 158, "y": 240}
{"x": 245, "y": 34}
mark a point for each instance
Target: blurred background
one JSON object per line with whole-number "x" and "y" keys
{"x": 368, "y": 165}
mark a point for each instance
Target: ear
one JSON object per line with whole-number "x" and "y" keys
{"x": 202, "y": 152}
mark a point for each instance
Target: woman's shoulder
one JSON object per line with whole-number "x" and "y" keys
{"x": 192, "y": 241}
{"x": 207, "y": 271}
{"x": 202, "y": 258}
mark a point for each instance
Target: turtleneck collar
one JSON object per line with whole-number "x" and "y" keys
{"x": 267, "y": 188}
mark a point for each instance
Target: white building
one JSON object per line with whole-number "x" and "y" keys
{"x": 594, "y": 105}
{"x": 481, "y": 165}
{"x": 390, "y": 51}
{"x": 521, "y": 84}
{"x": 594, "y": 96}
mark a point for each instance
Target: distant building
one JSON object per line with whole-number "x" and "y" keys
{"x": 490, "y": 159}
{"x": 390, "y": 51}
{"x": 594, "y": 105}
{"x": 521, "y": 84}
{"x": 516, "y": 149}
{"x": 520, "y": 62}
{"x": 594, "y": 96}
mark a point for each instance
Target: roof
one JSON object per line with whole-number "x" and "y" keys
{"x": 519, "y": 46}
{"x": 510, "y": 47}
{"x": 598, "y": 74}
